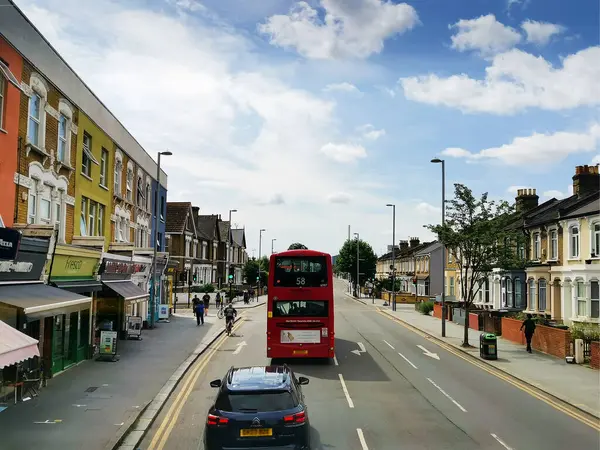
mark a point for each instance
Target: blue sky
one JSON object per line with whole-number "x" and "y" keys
{"x": 310, "y": 116}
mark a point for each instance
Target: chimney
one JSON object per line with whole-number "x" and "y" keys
{"x": 403, "y": 247}
{"x": 526, "y": 200}
{"x": 586, "y": 180}
{"x": 195, "y": 212}
{"x": 414, "y": 241}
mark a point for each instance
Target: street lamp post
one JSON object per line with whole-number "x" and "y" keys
{"x": 155, "y": 237}
{"x": 259, "y": 252}
{"x": 443, "y": 163}
{"x": 357, "y": 288}
{"x": 393, "y": 256}
{"x": 272, "y": 247}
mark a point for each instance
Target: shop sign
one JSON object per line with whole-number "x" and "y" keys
{"x": 9, "y": 243}
{"x": 113, "y": 266}
{"x": 28, "y": 266}
{"x": 74, "y": 267}
{"x": 108, "y": 343}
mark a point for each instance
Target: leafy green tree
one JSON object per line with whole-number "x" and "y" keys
{"x": 346, "y": 261}
{"x": 297, "y": 246}
{"x": 478, "y": 233}
{"x": 250, "y": 270}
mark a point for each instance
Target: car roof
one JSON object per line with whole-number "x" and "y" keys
{"x": 258, "y": 378}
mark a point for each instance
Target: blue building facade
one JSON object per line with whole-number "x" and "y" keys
{"x": 159, "y": 240}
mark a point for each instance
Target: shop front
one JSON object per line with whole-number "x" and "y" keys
{"x": 171, "y": 280}
{"x": 58, "y": 319}
{"x": 162, "y": 287}
{"x": 121, "y": 303}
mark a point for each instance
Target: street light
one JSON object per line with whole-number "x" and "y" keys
{"x": 155, "y": 237}
{"x": 393, "y": 257}
{"x": 357, "y": 266}
{"x": 272, "y": 241}
{"x": 443, "y": 163}
{"x": 229, "y": 241}
{"x": 259, "y": 252}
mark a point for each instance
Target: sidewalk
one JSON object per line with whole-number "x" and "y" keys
{"x": 574, "y": 384}
{"x": 91, "y": 405}
{"x": 238, "y": 304}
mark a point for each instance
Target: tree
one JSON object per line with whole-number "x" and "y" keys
{"x": 251, "y": 270}
{"x": 346, "y": 261}
{"x": 478, "y": 235}
{"x": 297, "y": 246}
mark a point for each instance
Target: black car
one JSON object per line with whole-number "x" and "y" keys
{"x": 258, "y": 408}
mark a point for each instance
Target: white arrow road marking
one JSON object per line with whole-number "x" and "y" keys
{"x": 362, "y": 349}
{"x": 239, "y": 348}
{"x": 502, "y": 443}
{"x": 428, "y": 353}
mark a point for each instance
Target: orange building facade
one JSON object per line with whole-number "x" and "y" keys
{"x": 11, "y": 68}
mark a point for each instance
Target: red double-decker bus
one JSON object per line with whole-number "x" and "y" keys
{"x": 300, "y": 319}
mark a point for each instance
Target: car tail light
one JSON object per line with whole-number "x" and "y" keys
{"x": 213, "y": 420}
{"x": 295, "y": 418}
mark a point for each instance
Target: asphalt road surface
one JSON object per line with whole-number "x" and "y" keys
{"x": 402, "y": 392}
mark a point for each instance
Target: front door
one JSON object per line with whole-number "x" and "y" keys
{"x": 71, "y": 337}
{"x": 58, "y": 343}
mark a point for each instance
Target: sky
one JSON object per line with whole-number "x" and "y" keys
{"x": 311, "y": 116}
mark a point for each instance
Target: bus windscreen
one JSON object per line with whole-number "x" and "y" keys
{"x": 300, "y": 308}
{"x": 300, "y": 271}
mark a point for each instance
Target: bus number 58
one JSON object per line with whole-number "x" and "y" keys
{"x": 300, "y": 281}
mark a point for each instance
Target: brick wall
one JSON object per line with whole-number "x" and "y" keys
{"x": 595, "y": 355}
{"x": 474, "y": 321}
{"x": 549, "y": 340}
{"x": 437, "y": 310}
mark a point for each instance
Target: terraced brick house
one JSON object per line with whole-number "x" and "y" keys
{"x": 182, "y": 244}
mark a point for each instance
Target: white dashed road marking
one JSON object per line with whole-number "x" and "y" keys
{"x": 361, "y": 438}
{"x": 345, "y": 389}
{"x": 449, "y": 398}
{"x": 407, "y": 360}
{"x": 502, "y": 443}
{"x": 389, "y": 345}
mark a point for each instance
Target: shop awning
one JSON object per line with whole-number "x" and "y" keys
{"x": 38, "y": 297}
{"x": 126, "y": 289}
{"x": 79, "y": 286}
{"x": 15, "y": 346}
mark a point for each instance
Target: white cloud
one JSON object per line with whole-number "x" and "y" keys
{"x": 345, "y": 153}
{"x": 426, "y": 208}
{"x": 540, "y": 33}
{"x": 188, "y": 5}
{"x": 515, "y": 81}
{"x": 342, "y": 87}
{"x": 539, "y": 148}
{"x": 513, "y": 189}
{"x": 484, "y": 34}
{"x": 339, "y": 197}
{"x": 368, "y": 131}
{"x": 354, "y": 29}
{"x": 553, "y": 194}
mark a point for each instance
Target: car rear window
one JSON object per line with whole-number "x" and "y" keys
{"x": 255, "y": 401}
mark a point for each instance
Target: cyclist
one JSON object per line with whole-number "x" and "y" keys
{"x": 230, "y": 313}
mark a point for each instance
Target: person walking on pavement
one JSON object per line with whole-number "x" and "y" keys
{"x": 206, "y": 301}
{"x": 195, "y": 301}
{"x": 199, "y": 310}
{"x": 529, "y": 326}
{"x": 218, "y": 299}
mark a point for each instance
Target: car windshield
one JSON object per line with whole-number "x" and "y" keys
{"x": 260, "y": 401}
{"x": 300, "y": 271}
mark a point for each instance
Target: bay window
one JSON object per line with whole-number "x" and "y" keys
{"x": 581, "y": 299}
{"x": 595, "y": 299}
{"x": 532, "y": 301}
{"x": 542, "y": 295}
{"x": 518, "y": 293}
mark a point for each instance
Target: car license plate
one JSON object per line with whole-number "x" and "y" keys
{"x": 300, "y": 352}
{"x": 256, "y": 432}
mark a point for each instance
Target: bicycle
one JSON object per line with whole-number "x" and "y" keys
{"x": 229, "y": 326}
{"x": 30, "y": 386}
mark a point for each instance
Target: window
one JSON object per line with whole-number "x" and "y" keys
{"x": 3, "y": 85}
{"x": 553, "y": 244}
{"x": 509, "y": 293}
{"x": 63, "y": 124}
{"x": 301, "y": 308}
{"x": 503, "y": 291}
{"x": 129, "y": 184}
{"x": 596, "y": 240}
{"x": 451, "y": 287}
{"x": 162, "y": 208}
{"x": 32, "y": 204}
{"x": 518, "y": 293}
{"x": 574, "y": 242}
{"x": 581, "y": 300}
{"x": 141, "y": 198}
{"x": 117, "y": 176}
{"x": 532, "y": 303}
{"x": 148, "y": 197}
{"x": 83, "y": 217}
{"x": 247, "y": 402}
{"x": 306, "y": 271}
{"x": 480, "y": 292}
{"x": 595, "y": 299}
{"x": 100, "y": 220}
{"x": 103, "y": 167}
{"x": 45, "y": 210}
{"x": 58, "y": 215}
{"x": 542, "y": 295}
{"x": 92, "y": 219}
{"x": 537, "y": 246}
{"x": 426, "y": 287}
{"x": 487, "y": 290}
{"x": 34, "y": 121}
{"x": 158, "y": 243}
{"x": 86, "y": 157}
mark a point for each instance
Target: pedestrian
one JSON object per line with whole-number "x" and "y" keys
{"x": 199, "y": 310}
{"x": 246, "y": 297}
{"x": 206, "y": 301}
{"x": 529, "y": 326}
{"x": 195, "y": 301}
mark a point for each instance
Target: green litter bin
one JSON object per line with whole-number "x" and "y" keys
{"x": 488, "y": 346}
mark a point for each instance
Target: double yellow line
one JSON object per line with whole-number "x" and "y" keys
{"x": 164, "y": 430}
{"x": 595, "y": 424}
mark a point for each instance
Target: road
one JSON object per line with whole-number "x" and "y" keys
{"x": 403, "y": 391}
